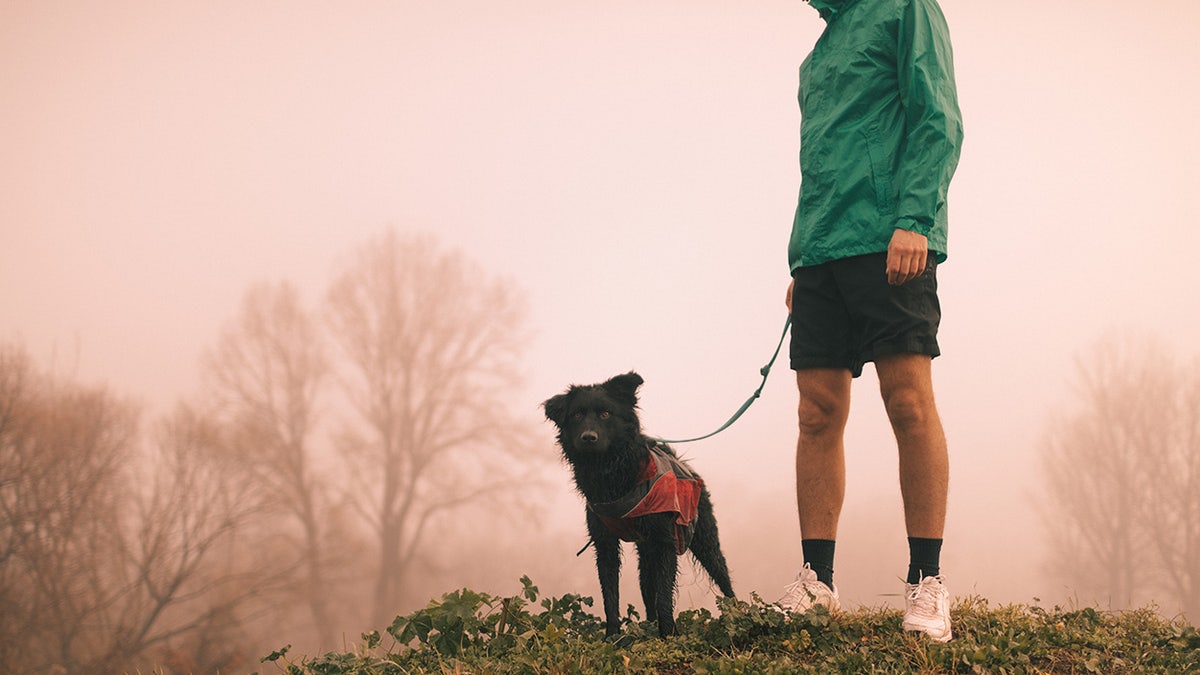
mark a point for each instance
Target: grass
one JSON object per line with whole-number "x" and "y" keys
{"x": 470, "y": 632}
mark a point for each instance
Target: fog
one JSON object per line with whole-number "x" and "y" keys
{"x": 632, "y": 167}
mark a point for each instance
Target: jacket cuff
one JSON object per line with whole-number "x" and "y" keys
{"x": 913, "y": 225}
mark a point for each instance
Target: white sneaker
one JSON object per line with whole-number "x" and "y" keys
{"x": 807, "y": 592}
{"x": 927, "y": 608}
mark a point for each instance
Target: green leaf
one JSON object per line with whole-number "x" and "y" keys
{"x": 529, "y": 591}
{"x": 275, "y": 655}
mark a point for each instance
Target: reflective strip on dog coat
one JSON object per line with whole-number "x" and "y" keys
{"x": 666, "y": 485}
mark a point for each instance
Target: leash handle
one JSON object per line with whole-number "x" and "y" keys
{"x": 764, "y": 371}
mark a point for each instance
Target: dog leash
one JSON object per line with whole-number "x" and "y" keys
{"x": 764, "y": 371}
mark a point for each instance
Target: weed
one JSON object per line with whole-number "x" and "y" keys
{"x": 470, "y": 632}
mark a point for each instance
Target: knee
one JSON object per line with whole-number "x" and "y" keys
{"x": 908, "y": 408}
{"x": 819, "y": 416}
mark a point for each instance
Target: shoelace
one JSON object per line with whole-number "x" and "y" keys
{"x": 802, "y": 584}
{"x": 792, "y": 587}
{"x": 924, "y": 600}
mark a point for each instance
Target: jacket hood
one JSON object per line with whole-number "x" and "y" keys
{"x": 829, "y": 8}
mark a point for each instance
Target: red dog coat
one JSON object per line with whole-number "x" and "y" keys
{"x": 665, "y": 486}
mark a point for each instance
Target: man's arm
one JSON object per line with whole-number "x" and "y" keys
{"x": 933, "y": 122}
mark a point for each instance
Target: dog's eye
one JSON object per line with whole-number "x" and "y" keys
{"x": 604, "y": 414}
{"x": 577, "y": 415}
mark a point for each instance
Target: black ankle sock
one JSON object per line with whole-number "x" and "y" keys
{"x": 923, "y": 558}
{"x": 818, "y": 554}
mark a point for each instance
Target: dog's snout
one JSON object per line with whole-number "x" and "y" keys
{"x": 589, "y": 436}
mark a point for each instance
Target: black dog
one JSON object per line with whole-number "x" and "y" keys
{"x": 637, "y": 490}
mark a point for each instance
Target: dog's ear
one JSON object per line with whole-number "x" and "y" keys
{"x": 624, "y": 387}
{"x": 556, "y": 409}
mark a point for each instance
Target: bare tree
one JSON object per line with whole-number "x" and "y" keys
{"x": 15, "y": 413}
{"x": 1171, "y": 507}
{"x": 98, "y": 568}
{"x": 62, "y": 453}
{"x": 188, "y": 574}
{"x": 1123, "y": 479}
{"x": 433, "y": 348}
{"x": 267, "y": 372}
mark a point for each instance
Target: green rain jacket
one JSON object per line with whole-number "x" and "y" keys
{"x": 880, "y": 130}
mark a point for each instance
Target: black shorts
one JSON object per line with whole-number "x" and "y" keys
{"x": 844, "y": 313}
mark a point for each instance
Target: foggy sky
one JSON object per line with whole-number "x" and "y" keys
{"x": 632, "y": 166}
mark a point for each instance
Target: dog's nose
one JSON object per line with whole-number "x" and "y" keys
{"x": 589, "y": 437}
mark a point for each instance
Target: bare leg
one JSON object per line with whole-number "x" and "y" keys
{"x": 906, "y": 384}
{"x": 820, "y": 450}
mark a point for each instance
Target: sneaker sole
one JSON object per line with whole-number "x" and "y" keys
{"x": 940, "y": 638}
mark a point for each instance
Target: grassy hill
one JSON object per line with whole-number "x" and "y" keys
{"x": 470, "y": 632}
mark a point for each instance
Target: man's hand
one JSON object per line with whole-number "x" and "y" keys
{"x": 906, "y": 256}
{"x": 788, "y": 301}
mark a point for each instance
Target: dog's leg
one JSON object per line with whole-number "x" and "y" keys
{"x": 706, "y": 546}
{"x": 608, "y": 567}
{"x": 660, "y": 557}
{"x": 646, "y": 578}
{"x": 658, "y": 566}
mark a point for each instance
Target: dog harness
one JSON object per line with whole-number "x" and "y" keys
{"x": 665, "y": 485}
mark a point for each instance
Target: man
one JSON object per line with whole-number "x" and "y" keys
{"x": 879, "y": 141}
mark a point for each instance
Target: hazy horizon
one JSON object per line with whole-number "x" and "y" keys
{"x": 633, "y": 169}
